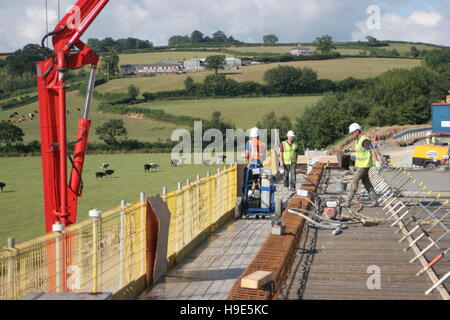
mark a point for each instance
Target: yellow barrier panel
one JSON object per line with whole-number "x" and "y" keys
{"x": 198, "y": 207}
{"x": 101, "y": 255}
{"x": 106, "y": 254}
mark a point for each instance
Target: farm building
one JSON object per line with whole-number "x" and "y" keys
{"x": 233, "y": 63}
{"x": 301, "y": 50}
{"x": 161, "y": 67}
{"x": 193, "y": 65}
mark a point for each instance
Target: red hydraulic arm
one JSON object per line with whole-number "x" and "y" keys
{"x": 60, "y": 193}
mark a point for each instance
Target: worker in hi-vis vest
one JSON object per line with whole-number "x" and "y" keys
{"x": 288, "y": 160}
{"x": 366, "y": 156}
{"x": 255, "y": 150}
{"x": 431, "y": 139}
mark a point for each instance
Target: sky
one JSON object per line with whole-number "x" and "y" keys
{"x": 24, "y": 21}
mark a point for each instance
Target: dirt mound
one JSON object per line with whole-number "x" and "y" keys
{"x": 382, "y": 133}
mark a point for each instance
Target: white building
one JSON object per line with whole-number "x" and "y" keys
{"x": 161, "y": 67}
{"x": 301, "y": 50}
{"x": 233, "y": 63}
{"x": 193, "y": 65}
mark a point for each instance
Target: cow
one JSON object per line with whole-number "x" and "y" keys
{"x": 2, "y": 185}
{"x": 150, "y": 167}
{"x": 104, "y": 166}
{"x": 109, "y": 172}
{"x": 206, "y": 162}
{"x": 100, "y": 175}
{"x": 174, "y": 163}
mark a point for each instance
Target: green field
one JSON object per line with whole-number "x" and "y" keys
{"x": 138, "y": 128}
{"x": 21, "y": 204}
{"x": 152, "y": 57}
{"x": 244, "y": 113}
{"x": 145, "y": 129}
{"x": 401, "y": 48}
{"x": 336, "y": 69}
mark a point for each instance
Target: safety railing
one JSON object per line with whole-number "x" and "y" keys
{"x": 198, "y": 206}
{"x": 420, "y": 215}
{"x": 108, "y": 252}
{"x": 102, "y": 254}
{"x": 412, "y": 134}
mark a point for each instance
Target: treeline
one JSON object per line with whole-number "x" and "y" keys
{"x": 197, "y": 37}
{"x": 397, "y": 97}
{"x": 34, "y": 148}
{"x": 120, "y": 45}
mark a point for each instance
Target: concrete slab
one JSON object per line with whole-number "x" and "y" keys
{"x": 210, "y": 271}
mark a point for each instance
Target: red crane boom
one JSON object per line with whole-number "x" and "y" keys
{"x": 60, "y": 193}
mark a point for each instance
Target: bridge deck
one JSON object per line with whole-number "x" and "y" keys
{"x": 338, "y": 267}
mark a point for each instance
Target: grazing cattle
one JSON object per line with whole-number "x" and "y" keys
{"x": 36, "y": 112}
{"x": 109, "y": 172}
{"x": 104, "y": 166}
{"x": 2, "y": 185}
{"x": 150, "y": 167}
{"x": 100, "y": 175}
{"x": 206, "y": 162}
{"x": 174, "y": 163}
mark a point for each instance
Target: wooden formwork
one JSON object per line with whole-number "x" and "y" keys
{"x": 276, "y": 255}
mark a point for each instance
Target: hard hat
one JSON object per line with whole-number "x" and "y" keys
{"x": 254, "y": 133}
{"x": 354, "y": 127}
{"x": 291, "y": 134}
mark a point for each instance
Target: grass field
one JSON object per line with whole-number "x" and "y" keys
{"x": 152, "y": 57}
{"x": 336, "y": 69}
{"x": 21, "y": 205}
{"x": 244, "y": 113}
{"x": 145, "y": 129}
{"x": 138, "y": 128}
{"x": 401, "y": 47}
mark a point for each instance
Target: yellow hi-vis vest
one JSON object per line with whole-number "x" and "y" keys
{"x": 363, "y": 157}
{"x": 289, "y": 153}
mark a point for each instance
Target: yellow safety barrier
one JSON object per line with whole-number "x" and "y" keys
{"x": 108, "y": 253}
{"x": 98, "y": 255}
{"x": 199, "y": 206}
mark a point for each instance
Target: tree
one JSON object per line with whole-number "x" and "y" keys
{"x": 291, "y": 80}
{"x": 10, "y": 133}
{"x": 179, "y": 40}
{"x": 414, "y": 52}
{"x": 437, "y": 60}
{"x": 112, "y": 132}
{"x": 196, "y": 36}
{"x": 372, "y": 40}
{"x": 219, "y": 36}
{"x": 24, "y": 60}
{"x": 215, "y": 63}
{"x": 133, "y": 92}
{"x": 110, "y": 63}
{"x": 270, "y": 39}
{"x": 325, "y": 44}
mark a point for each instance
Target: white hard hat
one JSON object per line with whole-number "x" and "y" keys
{"x": 291, "y": 134}
{"x": 354, "y": 127}
{"x": 254, "y": 133}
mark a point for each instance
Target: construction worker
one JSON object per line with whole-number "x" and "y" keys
{"x": 365, "y": 157}
{"x": 431, "y": 139}
{"x": 288, "y": 160}
{"x": 255, "y": 150}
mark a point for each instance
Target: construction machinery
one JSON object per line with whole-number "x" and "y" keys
{"x": 430, "y": 156}
{"x": 69, "y": 52}
{"x": 258, "y": 195}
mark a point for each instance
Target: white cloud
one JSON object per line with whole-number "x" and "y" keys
{"x": 429, "y": 25}
{"x": 23, "y": 21}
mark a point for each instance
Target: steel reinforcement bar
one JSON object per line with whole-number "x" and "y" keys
{"x": 276, "y": 255}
